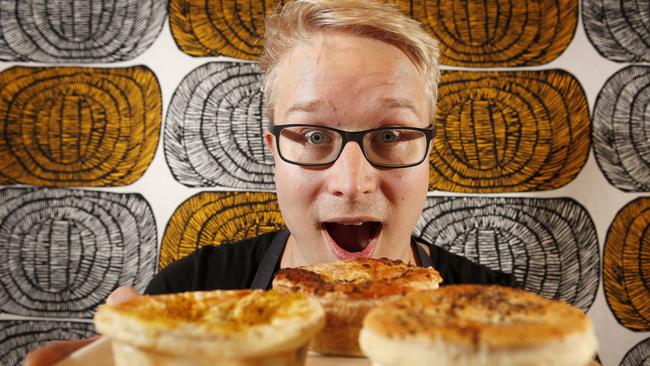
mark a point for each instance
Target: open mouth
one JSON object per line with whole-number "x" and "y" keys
{"x": 352, "y": 239}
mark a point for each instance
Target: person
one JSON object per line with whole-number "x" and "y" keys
{"x": 350, "y": 88}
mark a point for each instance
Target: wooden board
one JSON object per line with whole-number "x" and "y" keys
{"x": 99, "y": 354}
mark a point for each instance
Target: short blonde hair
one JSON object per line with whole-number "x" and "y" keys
{"x": 375, "y": 19}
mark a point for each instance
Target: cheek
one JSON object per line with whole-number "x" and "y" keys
{"x": 295, "y": 188}
{"x": 284, "y": 184}
{"x": 407, "y": 194}
{"x": 410, "y": 186}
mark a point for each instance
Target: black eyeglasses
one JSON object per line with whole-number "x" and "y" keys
{"x": 386, "y": 147}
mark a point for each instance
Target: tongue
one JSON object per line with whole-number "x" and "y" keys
{"x": 349, "y": 237}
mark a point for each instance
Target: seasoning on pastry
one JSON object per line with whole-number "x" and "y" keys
{"x": 477, "y": 325}
{"x": 233, "y": 328}
{"x": 347, "y": 290}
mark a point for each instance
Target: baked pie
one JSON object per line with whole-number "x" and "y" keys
{"x": 347, "y": 290}
{"x": 227, "y": 328}
{"x": 474, "y": 325}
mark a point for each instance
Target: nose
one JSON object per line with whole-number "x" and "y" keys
{"x": 352, "y": 176}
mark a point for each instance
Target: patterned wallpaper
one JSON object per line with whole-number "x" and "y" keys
{"x": 132, "y": 134}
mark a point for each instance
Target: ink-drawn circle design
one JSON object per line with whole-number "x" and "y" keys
{"x": 621, "y": 131}
{"x": 626, "y": 266}
{"x": 214, "y": 129}
{"x": 618, "y": 29}
{"x": 95, "y": 31}
{"x": 509, "y": 131}
{"x": 17, "y": 338}
{"x": 62, "y": 252}
{"x": 233, "y": 28}
{"x": 499, "y": 32}
{"x": 72, "y": 126}
{"x": 549, "y": 245}
{"x": 213, "y": 218}
{"x": 639, "y": 355}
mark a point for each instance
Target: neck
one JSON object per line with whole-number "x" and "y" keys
{"x": 291, "y": 256}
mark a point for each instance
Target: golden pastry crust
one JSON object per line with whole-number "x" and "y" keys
{"x": 347, "y": 290}
{"x": 360, "y": 278}
{"x": 478, "y": 316}
{"x": 479, "y": 322}
{"x": 214, "y": 324}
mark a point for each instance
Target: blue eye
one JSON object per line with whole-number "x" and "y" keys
{"x": 388, "y": 136}
{"x": 315, "y": 137}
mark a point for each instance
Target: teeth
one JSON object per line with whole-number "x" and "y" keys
{"x": 356, "y": 223}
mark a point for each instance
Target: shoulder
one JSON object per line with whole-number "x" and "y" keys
{"x": 225, "y": 266}
{"x": 456, "y": 269}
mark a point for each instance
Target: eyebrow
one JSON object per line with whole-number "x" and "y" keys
{"x": 308, "y": 106}
{"x": 314, "y": 105}
{"x": 394, "y": 103}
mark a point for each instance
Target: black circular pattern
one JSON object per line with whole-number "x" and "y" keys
{"x": 621, "y": 129}
{"x": 549, "y": 245}
{"x": 618, "y": 29}
{"x": 214, "y": 130}
{"x": 639, "y": 355}
{"x": 62, "y": 252}
{"x": 17, "y": 338}
{"x": 70, "y": 31}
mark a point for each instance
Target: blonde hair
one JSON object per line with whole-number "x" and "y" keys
{"x": 299, "y": 19}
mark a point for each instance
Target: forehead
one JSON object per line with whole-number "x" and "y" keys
{"x": 337, "y": 73}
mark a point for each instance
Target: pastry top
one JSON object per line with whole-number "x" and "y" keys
{"x": 359, "y": 278}
{"x": 478, "y": 317}
{"x": 221, "y": 321}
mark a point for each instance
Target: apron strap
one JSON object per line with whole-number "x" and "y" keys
{"x": 424, "y": 258}
{"x": 270, "y": 260}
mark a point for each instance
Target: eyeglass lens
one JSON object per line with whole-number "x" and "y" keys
{"x": 314, "y": 145}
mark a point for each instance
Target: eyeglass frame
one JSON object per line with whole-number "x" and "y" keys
{"x": 356, "y": 136}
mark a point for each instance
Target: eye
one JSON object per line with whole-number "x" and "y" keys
{"x": 388, "y": 136}
{"x": 315, "y": 137}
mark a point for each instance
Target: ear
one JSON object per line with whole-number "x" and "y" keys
{"x": 268, "y": 140}
{"x": 435, "y": 137}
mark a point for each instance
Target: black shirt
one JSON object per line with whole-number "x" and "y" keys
{"x": 234, "y": 266}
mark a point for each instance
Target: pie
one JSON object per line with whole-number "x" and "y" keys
{"x": 233, "y": 328}
{"x": 347, "y": 290}
{"x": 478, "y": 325}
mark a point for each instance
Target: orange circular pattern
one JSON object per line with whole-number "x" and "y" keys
{"x": 213, "y": 218}
{"x": 74, "y": 126}
{"x": 232, "y": 28}
{"x": 626, "y": 266}
{"x": 509, "y": 131}
{"x": 498, "y": 32}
